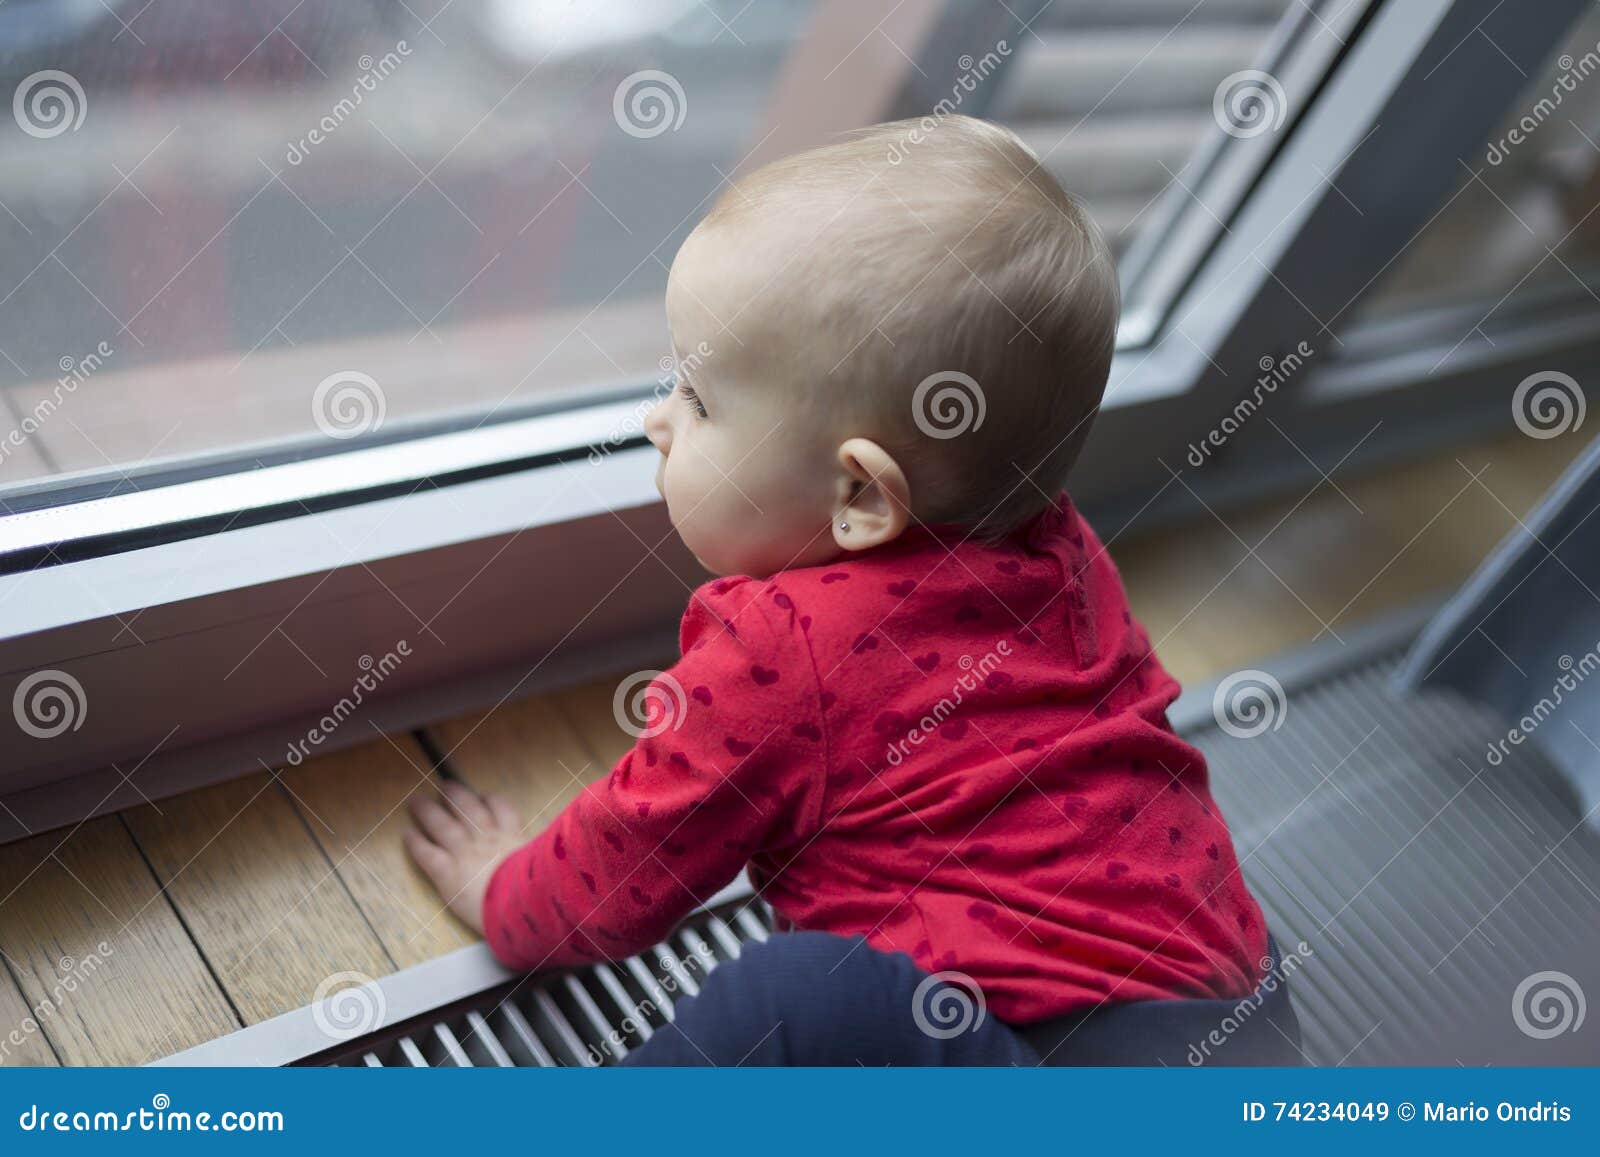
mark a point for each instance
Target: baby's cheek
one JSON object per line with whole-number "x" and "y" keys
{"x": 682, "y": 482}
{"x": 701, "y": 518}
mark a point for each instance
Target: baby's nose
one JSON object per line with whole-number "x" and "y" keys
{"x": 657, "y": 426}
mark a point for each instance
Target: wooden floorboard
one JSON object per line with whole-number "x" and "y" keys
{"x": 1235, "y": 588}
{"x": 592, "y": 712}
{"x": 86, "y": 909}
{"x": 526, "y": 751}
{"x": 354, "y": 803}
{"x": 260, "y": 898}
{"x": 22, "y": 1038}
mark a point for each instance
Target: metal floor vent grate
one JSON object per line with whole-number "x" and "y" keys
{"x": 1425, "y": 886}
{"x": 1430, "y": 888}
{"x": 582, "y": 1018}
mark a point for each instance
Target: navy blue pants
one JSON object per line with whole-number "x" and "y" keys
{"x": 810, "y": 998}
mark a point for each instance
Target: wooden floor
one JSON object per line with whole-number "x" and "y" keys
{"x": 135, "y": 935}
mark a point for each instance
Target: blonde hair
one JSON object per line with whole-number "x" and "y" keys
{"x": 970, "y": 302}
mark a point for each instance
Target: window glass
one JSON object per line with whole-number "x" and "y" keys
{"x": 230, "y": 226}
{"x": 1522, "y": 225}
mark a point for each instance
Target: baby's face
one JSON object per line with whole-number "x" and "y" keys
{"x": 749, "y": 472}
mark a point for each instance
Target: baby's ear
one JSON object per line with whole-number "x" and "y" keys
{"x": 874, "y": 501}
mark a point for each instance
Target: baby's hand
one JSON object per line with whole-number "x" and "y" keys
{"x": 459, "y": 847}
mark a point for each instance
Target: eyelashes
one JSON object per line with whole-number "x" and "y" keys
{"x": 689, "y": 395}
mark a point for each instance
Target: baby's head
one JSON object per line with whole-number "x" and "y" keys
{"x": 863, "y": 343}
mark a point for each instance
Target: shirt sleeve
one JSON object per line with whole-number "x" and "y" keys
{"x": 731, "y": 758}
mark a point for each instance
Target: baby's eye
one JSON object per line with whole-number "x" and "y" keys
{"x": 692, "y": 398}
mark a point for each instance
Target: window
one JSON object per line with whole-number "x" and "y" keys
{"x": 1156, "y": 115}
{"x": 1520, "y": 233}
{"x": 234, "y": 233}
{"x": 318, "y": 318}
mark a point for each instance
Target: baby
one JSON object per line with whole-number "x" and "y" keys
{"x": 916, "y": 706}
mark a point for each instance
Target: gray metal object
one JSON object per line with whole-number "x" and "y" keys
{"x": 579, "y": 1019}
{"x": 1522, "y": 636}
{"x": 1417, "y": 890}
{"x": 1434, "y": 899}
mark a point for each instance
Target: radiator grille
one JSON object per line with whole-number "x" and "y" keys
{"x": 582, "y": 1018}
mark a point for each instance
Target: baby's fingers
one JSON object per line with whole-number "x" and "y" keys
{"x": 438, "y": 823}
{"x": 504, "y": 813}
{"x": 467, "y": 802}
{"x": 430, "y": 857}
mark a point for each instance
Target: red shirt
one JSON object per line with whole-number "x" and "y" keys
{"x": 958, "y": 750}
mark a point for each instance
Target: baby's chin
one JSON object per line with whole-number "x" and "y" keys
{"x": 713, "y": 559}
{"x": 745, "y": 558}
{"x": 723, "y": 568}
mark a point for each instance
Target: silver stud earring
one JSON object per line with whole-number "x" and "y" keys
{"x": 845, "y": 526}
